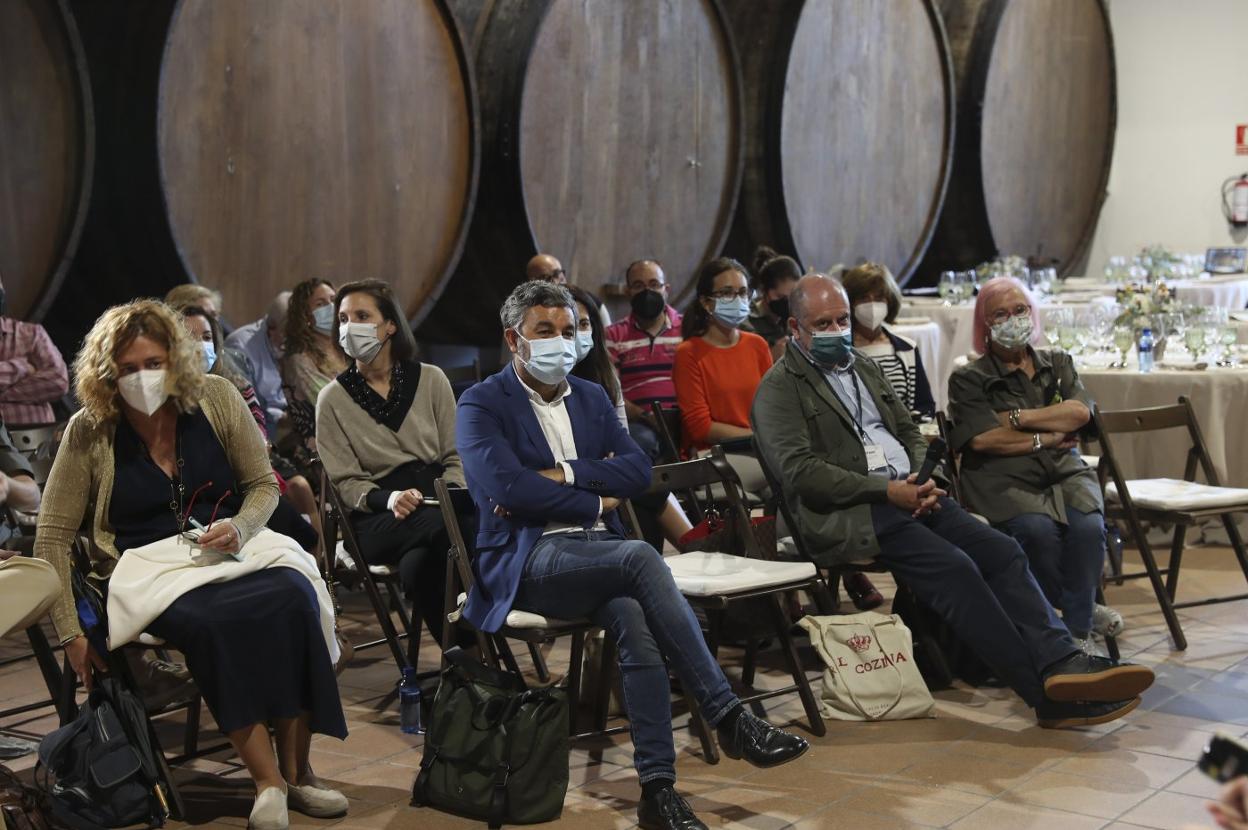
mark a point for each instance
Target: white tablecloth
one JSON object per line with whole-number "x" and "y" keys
{"x": 1230, "y": 291}
{"x": 1216, "y": 394}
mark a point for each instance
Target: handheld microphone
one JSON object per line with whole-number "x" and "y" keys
{"x": 935, "y": 454}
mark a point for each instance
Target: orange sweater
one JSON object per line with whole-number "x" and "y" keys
{"x": 714, "y": 384}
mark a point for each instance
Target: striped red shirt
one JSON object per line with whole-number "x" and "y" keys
{"x": 644, "y": 361}
{"x": 32, "y": 373}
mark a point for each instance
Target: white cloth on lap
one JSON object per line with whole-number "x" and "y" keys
{"x": 1175, "y": 494}
{"x": 148, "y": 579}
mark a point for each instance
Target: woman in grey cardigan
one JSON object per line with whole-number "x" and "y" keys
{"x": 385, "y": 430}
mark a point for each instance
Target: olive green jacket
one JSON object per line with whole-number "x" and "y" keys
{"x": 809, "y": 441}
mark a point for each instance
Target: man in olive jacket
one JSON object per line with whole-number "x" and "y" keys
{"x": 830, "y": 427}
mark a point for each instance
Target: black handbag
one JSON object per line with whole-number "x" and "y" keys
{"x": 496, "y": 750}
{"x": 102, "y": 768}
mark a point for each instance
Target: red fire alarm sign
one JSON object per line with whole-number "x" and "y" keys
{"x": 1241, "y": 139}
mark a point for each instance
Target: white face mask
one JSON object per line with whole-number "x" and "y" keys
{"x": 144, "y": 390}
{"x": 550, "y": 358}
{"x": 359, "y": 341}
{"x": 871, "y": 315}
{"x": 323, "y": 319}
{"x": 584, "y": 344}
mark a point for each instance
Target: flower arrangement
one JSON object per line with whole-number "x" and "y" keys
{"x": 1140, "y": 302}
{"x": 1159, "y": 260}
{"x": 1008, "y": 266}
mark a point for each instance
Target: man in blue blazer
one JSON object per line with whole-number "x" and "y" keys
{"x": 548, "y": 463}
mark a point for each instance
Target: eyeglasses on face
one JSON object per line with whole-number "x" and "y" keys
{"x": 730, "y": 294}
{"x": 551, "y": 276}
{"x": 1003, "y": 314}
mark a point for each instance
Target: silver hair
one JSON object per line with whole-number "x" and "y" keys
{"x": 531, "y": 294}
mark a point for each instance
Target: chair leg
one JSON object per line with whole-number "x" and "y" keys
{"x": 1111, "y": 642}
{"x": 576, "y": 661}
{"x": 804, "y": 691}
{"x": 382, "y": 612}
{"x": 1159, "y": 589}
{"x": 1114, "y": 546}
{"x": 1176, "y": 559}
{"x": 748, "y": 662}
{"x": 539, "y": 663}
{"x": 190, "y": 742}
{"x": 506, "y": 655}
{"x": 1237, "y": 543}
{"x": 606, "y": 684}
{"x": 45, "y": 659}
{"x": 66, "y": 697}
{"x": 710, "y": 751}
{"x": 825, "y": 600}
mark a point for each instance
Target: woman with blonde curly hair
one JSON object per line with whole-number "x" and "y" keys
{"x": 312, "y": 357}
{"x": 166, "y": 464}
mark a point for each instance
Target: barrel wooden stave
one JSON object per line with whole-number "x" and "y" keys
{"x": 1036, "y": 119}
{"x": 45, "y": 151}
{"x": 331, "y": 139}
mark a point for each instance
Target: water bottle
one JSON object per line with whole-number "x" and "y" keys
{"x": 409, "y": 703}
{"x": 1146, "y": 351}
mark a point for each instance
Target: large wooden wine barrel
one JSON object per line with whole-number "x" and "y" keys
{"x": 333, "y": 138}
{"x": 46, "y": 143}
{"x": 610, "y": 133}
{"x": 849, "y": 113}
{"x": 1036, "y": 117}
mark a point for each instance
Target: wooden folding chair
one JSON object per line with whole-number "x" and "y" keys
{"x": 1120, "y": 505}
{"x": 766, "y": 579}
{"x": 463, "y": 377}
{"x": 532, "y": 629}
{"x": 335, "y": 519}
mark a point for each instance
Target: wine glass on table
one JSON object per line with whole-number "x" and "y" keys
{"x": 1124, "y": 341}
{"x": 945, "y": 287}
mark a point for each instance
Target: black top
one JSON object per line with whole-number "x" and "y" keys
{"x": 389, "y": 411}
{"x": 144, "y": 504}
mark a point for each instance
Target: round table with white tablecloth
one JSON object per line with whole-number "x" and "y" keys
{"x": 1219, "y": 398}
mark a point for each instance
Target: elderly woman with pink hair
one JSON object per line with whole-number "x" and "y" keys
{"x": 1016, "y": 412}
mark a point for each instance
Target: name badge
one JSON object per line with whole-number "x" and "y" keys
{"x": 876, "y": 460}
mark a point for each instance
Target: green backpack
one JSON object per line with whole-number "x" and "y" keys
{"x": 495, "y": 750}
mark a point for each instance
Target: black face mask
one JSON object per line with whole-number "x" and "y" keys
{"x": 780, "y": 307}
{"x": 648, "y": 304}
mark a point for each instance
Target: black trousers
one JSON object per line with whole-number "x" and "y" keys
{"x": 977, "y": 579}
{"x": 418, "y": 545}
{"x": 288, "y": 521}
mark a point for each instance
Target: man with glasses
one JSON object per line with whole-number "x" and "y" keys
{"x": 830, "y": 426}
{"x": 546, "y": 268}
{"x": 643, "y": 347}
{"x": 548, "y": 464}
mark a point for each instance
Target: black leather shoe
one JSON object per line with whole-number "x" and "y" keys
{"x": 1090, "y": 677}
{"x": 666, "y": 810}
{"x": 758, "y": 742}
{"x": 1057, "y": 715}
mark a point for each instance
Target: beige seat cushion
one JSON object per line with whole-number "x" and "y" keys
{"x": 516, "y": 618}
{"x": 713, "y": 574}
{"x": 1174, "y": 494}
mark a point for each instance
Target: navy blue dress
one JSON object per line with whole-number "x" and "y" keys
{"x": 254, "y": 645}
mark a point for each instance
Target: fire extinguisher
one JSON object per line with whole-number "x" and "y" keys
{"x": 1235, "y": 200}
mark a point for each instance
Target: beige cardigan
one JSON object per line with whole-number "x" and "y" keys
{"x": 356, "y": 450}
{"x": 82, "y": 480}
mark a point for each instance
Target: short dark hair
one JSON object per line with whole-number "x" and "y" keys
{"x": 532, "y": 294}
{"x": 403, "y": 344}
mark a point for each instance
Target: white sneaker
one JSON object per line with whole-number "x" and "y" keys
{"x": 1106, "y": 621}
{"x": 1088, "y": 645}
{"x": 312, "y": 799}
{"x": 269, "y": 812}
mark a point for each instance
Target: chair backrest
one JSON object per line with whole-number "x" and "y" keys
{"x": 1150, "y": 419}
{"x": 462, "y": 377}
{"x": 782, "y": 504}
{"x": 29, "y": 440}
{"x": 456, "y": 502}
{"x": 951, "y": 456}
{"x": 703, "y": 473}
{"x": 668, "y": 422}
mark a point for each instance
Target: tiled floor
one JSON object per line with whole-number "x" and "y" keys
{"x": 982, "y": 763}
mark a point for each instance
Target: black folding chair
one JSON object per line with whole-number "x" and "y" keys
{"x": 335, "y": 519}
{"x": 769, "y": 581}
{"x": 1123, "y": 507}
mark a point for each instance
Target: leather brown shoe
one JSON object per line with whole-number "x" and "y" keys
{"x": 758, "y": 742}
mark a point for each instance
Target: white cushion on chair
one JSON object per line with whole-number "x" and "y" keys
{"x": 711, "y": 574}
{"x": 382, "y": 570}
{"x": 152, "y": 640}
{"x": 519, "y": 619}
{"x": 1173, "y": 494}
{"x": 1092, "y": 461}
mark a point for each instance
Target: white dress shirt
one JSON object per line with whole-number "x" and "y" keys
{"x": 556, "y": 426}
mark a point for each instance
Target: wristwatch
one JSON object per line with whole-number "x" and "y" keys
{"x": 1014, "y": 416}
{"x": 1036, "y": 445}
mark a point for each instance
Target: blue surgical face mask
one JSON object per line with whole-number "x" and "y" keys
{"x": 584, "y": 344}
{"x": 323, "y": 319}
{"x": 832, "y": 348}
{"x": 731, "y": 311}
{"x": 210, "y": 354}
{"x": 550, "y": 359}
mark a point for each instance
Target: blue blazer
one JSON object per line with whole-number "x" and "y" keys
{"x": 502, "y": 447}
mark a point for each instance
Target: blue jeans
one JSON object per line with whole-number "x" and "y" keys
{"x": 1066, "y": 559}
{"x": 625, "y": 587}
{"x": 646, "y": 438}
{"x": 977, "y": 580}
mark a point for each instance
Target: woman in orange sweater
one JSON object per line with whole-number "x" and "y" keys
{"x": 718, "y": 367}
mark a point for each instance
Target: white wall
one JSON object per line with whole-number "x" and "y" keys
{"x": 1182, "y": 88}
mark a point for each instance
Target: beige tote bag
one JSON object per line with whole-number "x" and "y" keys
{"x": 870, "y": 672}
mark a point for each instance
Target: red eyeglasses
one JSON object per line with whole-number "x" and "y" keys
{"x": 187, "y": 515}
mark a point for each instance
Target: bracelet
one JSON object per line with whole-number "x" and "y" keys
{"x": 1036, "y": 444}
{"x": 69, "y": 639}
{"x": 1014, "y": 416}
